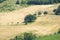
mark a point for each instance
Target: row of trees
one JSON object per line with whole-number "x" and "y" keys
{"x": 37, "y": 1}
{"x": 31, "y": 18}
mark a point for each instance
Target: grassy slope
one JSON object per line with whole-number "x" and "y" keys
{"x": 43, "y": 25}
{"x": 51, "y": 37}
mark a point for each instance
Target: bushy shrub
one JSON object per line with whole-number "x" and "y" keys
{"x": 29, "y": 18}
{"x": 45, "y": 12}
{"x": 25, "y": 36}
{"x": 29, "y": 36}
{"x": 57, "y": 12}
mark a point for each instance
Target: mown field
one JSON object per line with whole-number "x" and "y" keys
{"x": 44, "y": 25}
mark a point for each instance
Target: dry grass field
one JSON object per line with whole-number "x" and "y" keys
{"x": 18, "y": 15}
{"x": 44, "y": 25}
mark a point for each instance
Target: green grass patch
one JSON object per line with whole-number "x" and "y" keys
{"x": 51, "y": 37}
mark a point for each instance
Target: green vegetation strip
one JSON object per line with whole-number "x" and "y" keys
{"x": 51, "y": 37}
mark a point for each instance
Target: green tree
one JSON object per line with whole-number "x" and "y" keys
{"x": 29, "y": 18}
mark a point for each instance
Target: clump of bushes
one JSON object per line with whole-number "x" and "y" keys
{"x": 57, "y": 12}
{"x": 29, "y": 18}
{"x": 29, "y": 36}
{"x": 25, "y": 36}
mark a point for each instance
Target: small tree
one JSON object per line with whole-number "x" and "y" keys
{"x": 45, "y": 12}
{"x": 29, "y": 18}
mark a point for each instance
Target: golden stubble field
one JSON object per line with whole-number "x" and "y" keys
{"x": 44, "y": 25}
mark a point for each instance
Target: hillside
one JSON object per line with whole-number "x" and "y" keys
{"x": 44, "y": 25}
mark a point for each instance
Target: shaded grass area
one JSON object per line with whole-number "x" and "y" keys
{"x": 51, "y": 37}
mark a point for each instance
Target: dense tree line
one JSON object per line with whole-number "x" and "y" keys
{"x": 35, "y": 1}
{"x": 39, "y": 1}
{"x": 2, "y": 1}
{"x": 43, "y": 1}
